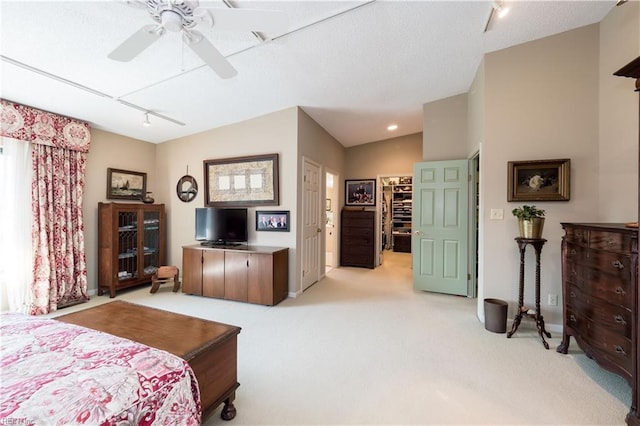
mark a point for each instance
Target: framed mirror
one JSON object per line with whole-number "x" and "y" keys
{"x": 187, "y": 188}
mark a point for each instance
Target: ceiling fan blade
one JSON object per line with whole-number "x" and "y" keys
{"x": 249, "y": 19}
{"x": 209, "y": 54}
{"x": 140, "y": 40}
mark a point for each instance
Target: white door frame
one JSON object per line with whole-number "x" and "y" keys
{"x": 335, "y": 208}
{"x": 474, "y": 211}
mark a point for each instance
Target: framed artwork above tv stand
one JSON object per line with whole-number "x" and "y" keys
{"x": 244, "y": 273}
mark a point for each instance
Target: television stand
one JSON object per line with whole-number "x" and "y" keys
{"x": 245, "y": 273}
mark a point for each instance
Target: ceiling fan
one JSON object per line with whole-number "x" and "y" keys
{"x": 183, "y": 15}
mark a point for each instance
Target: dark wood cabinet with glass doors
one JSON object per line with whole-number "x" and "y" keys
{"x": 131, "y": 244}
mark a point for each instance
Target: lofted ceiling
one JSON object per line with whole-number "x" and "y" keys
{"x": 353, "y": 66}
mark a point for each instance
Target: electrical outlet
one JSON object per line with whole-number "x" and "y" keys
{"x": 553, "y": 300}
{"x": 497, "y": 214}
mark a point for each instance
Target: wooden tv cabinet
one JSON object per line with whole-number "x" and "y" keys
{"x": 253, "y": 274}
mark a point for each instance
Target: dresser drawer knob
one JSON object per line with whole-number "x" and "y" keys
{"x": 572, "y": 294}
{"x": 572, "y": 318}
{"x": 617, "y": 264}
{"x": 573, "y": 252}
{"x": 619, "y": 319}
{"x": 620, "y": 290}
{"x": 611, "y": 242}
{"x": 620, "y": 350}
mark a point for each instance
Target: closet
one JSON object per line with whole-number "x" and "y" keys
{"x": 397, "y": 206}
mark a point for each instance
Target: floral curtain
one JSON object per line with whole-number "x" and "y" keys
{"x": 60, "y": 147}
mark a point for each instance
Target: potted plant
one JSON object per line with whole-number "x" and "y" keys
{"x": 530, "y": 221}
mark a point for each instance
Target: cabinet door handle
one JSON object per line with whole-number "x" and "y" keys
{"x": 617, "y": 264}
{"x": 620, "y": 350}
{"x": 572, "y": 318}
{"x": 572, "y": 294}
{"x": 573, "y": 252}
{"x": 620, "y": 290}
{"x": 619, "y": 319}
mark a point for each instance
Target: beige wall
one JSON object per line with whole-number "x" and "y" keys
{"x": 383, "y": 158}
{"x": 618, "y": 133}
{"x": 119, "y": 152}
{"x": 556, "y": 98}
{"x": 279, "y": 132}
{"x": 272, "y": 133}
{"x": 551, "y": 98}
{"x": 541, "y": 102}
{"x": 445, "y": 129}
{"x": 315, "y": 144}
{"x": 475, "y": 113}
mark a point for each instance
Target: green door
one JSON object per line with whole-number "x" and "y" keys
{"x": 439, "y": 225}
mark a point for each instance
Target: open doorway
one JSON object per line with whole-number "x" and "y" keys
{"x": 331, "y": 207}
{"x": 395, "y": 197}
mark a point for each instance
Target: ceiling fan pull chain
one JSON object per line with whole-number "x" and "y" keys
{"x": 182, "y": 57}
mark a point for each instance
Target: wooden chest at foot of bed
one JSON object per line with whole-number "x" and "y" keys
{"x": 209, "y": 347}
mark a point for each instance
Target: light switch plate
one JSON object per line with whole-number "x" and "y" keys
{"x": 497, "y": 214}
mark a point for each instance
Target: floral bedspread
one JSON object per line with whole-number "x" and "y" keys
{"x": 54, "y": 373}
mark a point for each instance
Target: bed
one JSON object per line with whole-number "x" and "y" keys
{"x": 53, "y": 372}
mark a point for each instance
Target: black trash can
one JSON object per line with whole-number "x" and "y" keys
{"x": 495, "y": 315}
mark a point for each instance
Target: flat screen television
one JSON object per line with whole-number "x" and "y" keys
{"x": 219, "y": 226}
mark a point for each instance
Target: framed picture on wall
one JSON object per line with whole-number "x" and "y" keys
{"x": 126, "y": 185}
{"x": 539, "y": 180}
{"x": 241, "y": 181}
{"x": 269, "y": 220}
{"x": 360, "y": 192}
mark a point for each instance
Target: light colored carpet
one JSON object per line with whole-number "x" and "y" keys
{"x": 362, "y": 347}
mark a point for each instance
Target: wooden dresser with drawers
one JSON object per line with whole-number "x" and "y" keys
{"x": 357, "y": 238}
{"x": 600, "y": 293}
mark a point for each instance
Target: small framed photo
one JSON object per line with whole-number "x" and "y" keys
{"x": 126, "y": 185}
{"x": 360, "y": 192}
{"x": 269, "y": 220}
{"x": 539, "y": 180}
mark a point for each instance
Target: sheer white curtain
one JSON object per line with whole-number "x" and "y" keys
{"x": 16, "y": 264}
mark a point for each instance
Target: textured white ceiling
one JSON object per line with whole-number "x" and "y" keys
{"x": 353, "y": 66}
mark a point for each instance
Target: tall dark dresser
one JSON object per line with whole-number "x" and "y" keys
{"x": 600, "y": 292}
{"x": 357, "y": 238}
{"x": 632, "y": 70}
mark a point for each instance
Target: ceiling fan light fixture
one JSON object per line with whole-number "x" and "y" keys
{"x": 171, "y": 20}
{"x": 146, "y": 122}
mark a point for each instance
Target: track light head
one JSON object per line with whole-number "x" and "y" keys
{"x": 501, "y": 9}
{"x": 497, "y": 9}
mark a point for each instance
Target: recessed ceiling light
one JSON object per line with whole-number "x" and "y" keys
{"x": 392, "y": 127}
